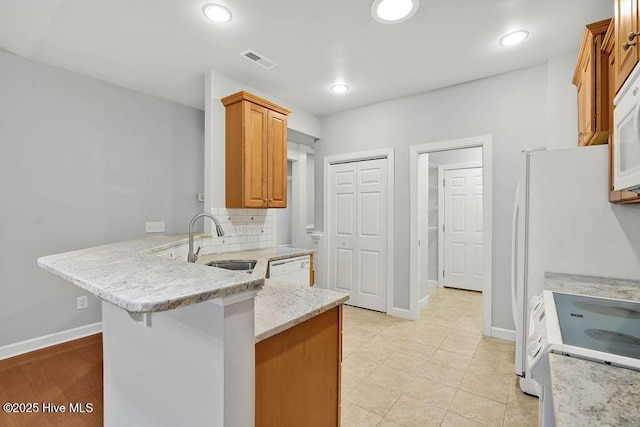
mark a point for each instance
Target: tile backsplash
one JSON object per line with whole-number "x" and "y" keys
{"x": 244, "y": 229}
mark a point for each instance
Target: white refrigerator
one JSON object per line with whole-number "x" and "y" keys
{"x": 564, "y": 223}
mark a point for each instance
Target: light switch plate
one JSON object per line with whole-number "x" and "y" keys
{"x": 201, "y": 197}
{"x": 155, "y": 227}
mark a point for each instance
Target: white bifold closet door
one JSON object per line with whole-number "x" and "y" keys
{"x": 358, "y": 232}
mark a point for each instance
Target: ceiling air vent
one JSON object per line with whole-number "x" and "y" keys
{"x": 258, "y": 58}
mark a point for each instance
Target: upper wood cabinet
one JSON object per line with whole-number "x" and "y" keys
{"x": 591, "y": 78}
{"x": 627, "y": 45}
{"x": 608, "y": 50}
{"x": 256, "y": 152}
{"x": 613, "y": 46}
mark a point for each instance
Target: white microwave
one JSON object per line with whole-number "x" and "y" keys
{"x": 626, "y": 135}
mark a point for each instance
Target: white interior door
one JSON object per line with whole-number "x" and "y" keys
{"x": 358, "y": 232}
{"x": 371, "y": 227}
{"x": 463, "y": 233}
{"x": 342, "y": 225}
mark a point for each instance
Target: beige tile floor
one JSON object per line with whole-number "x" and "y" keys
{"x": 437, "y": 371}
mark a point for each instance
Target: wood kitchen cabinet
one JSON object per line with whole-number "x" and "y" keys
{"x": 627, "y": 27}
{"x": 591, "y": 78}
{"x": 256, "y": 152}
{"x": 609, "y": 50}
{"x": 298, "y": 374}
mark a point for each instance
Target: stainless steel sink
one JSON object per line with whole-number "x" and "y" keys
{"x": 236, "y": 265}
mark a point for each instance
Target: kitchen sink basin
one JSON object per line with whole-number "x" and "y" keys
{"x": 236, "y": 265}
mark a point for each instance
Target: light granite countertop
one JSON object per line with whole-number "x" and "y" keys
{"x": 586, "y": 393}
{"x": 279, "y": 305}
{"x": 132, "y": 276}
{"x": 593, "y": 286}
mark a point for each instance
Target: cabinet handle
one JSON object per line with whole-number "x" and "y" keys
{"x": 626, "y": 46}
{"x": 632, "y": 35}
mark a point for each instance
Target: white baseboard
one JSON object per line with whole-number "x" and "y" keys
{"x": 503, "y": 334}
{"x": 402, "y": 313}
{"x": 423, "y": 302}
{"x": 27, "y": 346}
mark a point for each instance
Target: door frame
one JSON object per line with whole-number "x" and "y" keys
{"x": 485, "y": 142}
{"x": 383, "y": 153}
{"x": 298, "y": 154}
{"x": 441, "y": 170}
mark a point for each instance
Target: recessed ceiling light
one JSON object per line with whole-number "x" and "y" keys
{"x": 216, "y": 12}
{"x": 339, "y": 88}
{"x": 393, "y": 11}
{"x": 514, "y": 38}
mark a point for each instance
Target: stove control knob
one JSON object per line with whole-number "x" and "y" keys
{"x": 533, "y": 349}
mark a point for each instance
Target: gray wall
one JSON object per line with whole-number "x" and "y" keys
{"x": 511, "y": 107}
{"x": 562, "y": 105}
{"x": 82, "y": 163}
{"x": 464, "y": 155}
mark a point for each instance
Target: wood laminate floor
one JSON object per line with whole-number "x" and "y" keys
{"x": 54, "y": 378}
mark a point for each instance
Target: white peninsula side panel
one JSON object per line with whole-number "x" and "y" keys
{"x": 192, "y": 366}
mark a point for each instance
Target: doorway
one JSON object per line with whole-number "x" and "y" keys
{"x": 461, "y": 231}
{"x": 284, "y": 219}
{"x": 359, "y": 223}
{"x": 421, "y": 244}
{"x": 358, "y": 231}
{"x": 297, "y": 220}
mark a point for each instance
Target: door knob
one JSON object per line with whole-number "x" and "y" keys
{"x": 626, "y": 46}
{"x": 632, "y": 35}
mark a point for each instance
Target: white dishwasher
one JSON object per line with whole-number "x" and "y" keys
{"x": 291, "y": 270}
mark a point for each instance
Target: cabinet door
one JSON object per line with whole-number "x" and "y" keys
{"x": 586, "y": 107}
{"x": 255, "y": 156}
{"x": 277, "y": 160}
{"x": 298, "y": 374}
{"x": 626, "y": 16}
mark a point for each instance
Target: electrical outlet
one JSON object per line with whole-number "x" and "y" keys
{"x": 155, "y": 227}
{"x": 201, "y": 197}
{"x": 82, "y": 303}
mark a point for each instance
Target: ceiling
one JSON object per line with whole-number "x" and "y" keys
{"x": 164, "y": 47}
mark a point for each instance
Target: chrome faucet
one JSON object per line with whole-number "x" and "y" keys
{"x": 192, "y": 257}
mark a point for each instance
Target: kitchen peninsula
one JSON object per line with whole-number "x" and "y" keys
{"x": 179, "y": 338}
